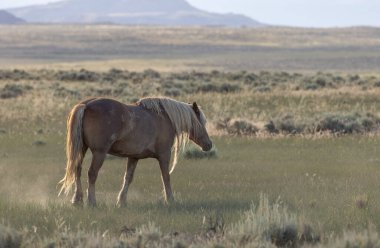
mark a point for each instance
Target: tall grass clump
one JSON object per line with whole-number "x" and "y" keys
{"x": 365, "y": 239}
{"x": 272, "y": 223}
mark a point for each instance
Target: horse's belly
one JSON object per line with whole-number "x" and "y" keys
{"x": 128, "y": 149}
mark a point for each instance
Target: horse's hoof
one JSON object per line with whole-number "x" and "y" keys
{"x": 169, "y": 200}
{"x": 121, "y": 205}
{"x": 77, "y": 203}
{"x": 92, "y": 204}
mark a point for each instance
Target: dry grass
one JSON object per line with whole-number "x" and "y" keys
{"x": 236, "y": 107}
{"x": 102, "y": 47}
{"x": 320, "y": 187}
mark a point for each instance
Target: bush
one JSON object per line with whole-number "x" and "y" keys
{"x": 9, "y": 237}
{"x": 15, "y": 75}
{"x": 224, "y": 88}
{"x": 311, "y": 86}
{"x": 336, "y": 123}
{"x": 321, "y": 82}
{"x": 63, "y": 92}
{"x": 237, "y": 127}
{"x": 173, "y": 92}
{"x": 347, "y": 123}
{"x": 229, "y": 88}
{"x": 13, "y": 90}
{"x": 82, "y": 76}
{"x": 263, "y": 89}
{"x": 285, "y": 124}
{"x": 208, "y": 87}
{"x": 149, "y": 73}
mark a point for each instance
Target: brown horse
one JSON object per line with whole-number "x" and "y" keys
{"x": 151, "y": 128}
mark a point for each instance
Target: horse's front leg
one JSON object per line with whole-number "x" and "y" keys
{"x": 96, "y": 164}
{"x": 164, "y": 166}
{"x": 128, "y": 178}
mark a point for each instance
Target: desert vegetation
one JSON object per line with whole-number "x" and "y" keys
{"x": 295, "y": 162}
{"x": 254, "y": 131}
{"x": 244, "y": 103}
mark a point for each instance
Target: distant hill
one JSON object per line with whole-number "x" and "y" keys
{"x": 144, "y": 12}
{"x": 8, "y": 18}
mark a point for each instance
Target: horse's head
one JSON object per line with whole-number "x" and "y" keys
{"x": 199, "y": 133}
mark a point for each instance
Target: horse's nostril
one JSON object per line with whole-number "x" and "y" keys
{"x": 208, "y": 147}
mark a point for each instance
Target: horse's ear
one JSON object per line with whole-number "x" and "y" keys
{"x": 195, "y": 107}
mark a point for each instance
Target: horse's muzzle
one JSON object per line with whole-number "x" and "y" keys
{"x": 207, "y": 147}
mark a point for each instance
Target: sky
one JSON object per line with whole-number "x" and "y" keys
{"x": 305, "y": 13}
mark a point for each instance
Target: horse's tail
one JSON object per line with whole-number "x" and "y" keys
{"x": 74, "y": 147}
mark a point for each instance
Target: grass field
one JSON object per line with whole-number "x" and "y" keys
{"x": 330, "y": 182}
{"x": 297, "y": 156}
{"x": 177, "y": 49}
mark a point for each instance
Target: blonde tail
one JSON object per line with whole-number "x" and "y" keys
{"x": 74, "y": 147}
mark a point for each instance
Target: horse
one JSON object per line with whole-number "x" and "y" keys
{"x": 153, "y": 127}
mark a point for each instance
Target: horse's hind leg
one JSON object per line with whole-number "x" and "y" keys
{"x": 96, "y": 164}
{"x": 128, "y": 177}
{"x": 78, "y": 194}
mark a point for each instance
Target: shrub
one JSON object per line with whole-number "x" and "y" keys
{"x": 353, "y": 78}
{"x": 82, "y": 75}
{"x": 237, "y": 127}
{"x": 285, "y": 124}
{"x": 346, "y": 123}
{"x": 208, "y": 87}
{"x": 224, "y": 88}
{"x": 263, "y": 89}
{"x": 250, "y": 78}
{"x": 149, "y": 73}
{"x": 229, "y": 88}
{"x": 114, "y": 75}
{"x": 311, "y": 86}
{"x": 173, "y": 92}
{"x": 321, "y": 82}
{"x": 63, "y": 92}
{"x": 13, "y": 90}
{"x": 9, "y": 237}
{"x": 15, "y": 75}
{"x": 271, "y": 127}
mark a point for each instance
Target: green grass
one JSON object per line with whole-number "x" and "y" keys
{"x": 319, "y": 179}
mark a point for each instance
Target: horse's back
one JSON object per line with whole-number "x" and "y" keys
{"x": 103, "y": 122}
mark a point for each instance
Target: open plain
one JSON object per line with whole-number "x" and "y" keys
{"x": 294, "y": 114}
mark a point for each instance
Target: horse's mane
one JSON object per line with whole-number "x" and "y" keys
{"x": 181, "y": 116}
